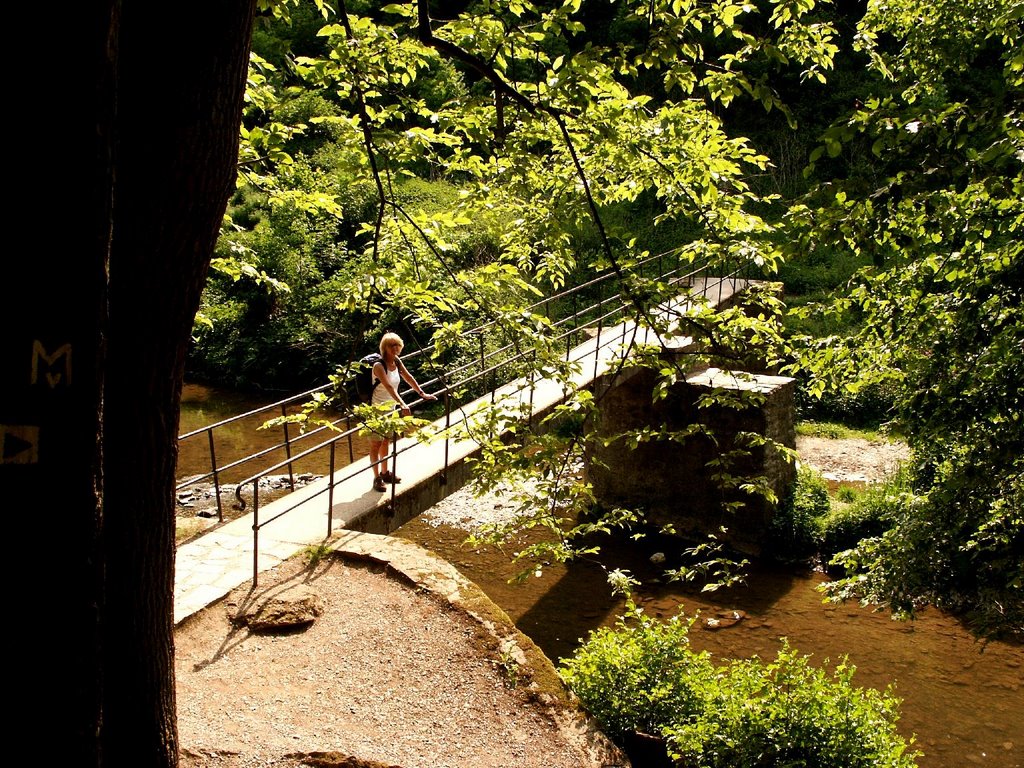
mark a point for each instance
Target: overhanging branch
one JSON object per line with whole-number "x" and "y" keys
{"x": 478, "y": 65}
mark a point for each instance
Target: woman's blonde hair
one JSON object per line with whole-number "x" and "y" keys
{"x": 391, "y": 338}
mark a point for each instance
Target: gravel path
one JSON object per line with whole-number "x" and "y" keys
{"x": 389, "y": 676}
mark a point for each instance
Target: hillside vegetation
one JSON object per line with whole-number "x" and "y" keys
{"x": 423, "y": 169}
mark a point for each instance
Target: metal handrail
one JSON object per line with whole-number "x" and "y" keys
{"x": 449, "y": 382}
{"x": 288, "y": 442}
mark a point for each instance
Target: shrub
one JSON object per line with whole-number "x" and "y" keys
{"x": 820, "y": 271}
{"x": 642, "y": 676}
{"x": 870, "y": 406}
{"x": 639, "y": 677}
{"x": 789, "y": 713}
{"x": 869, "y": 514}
{"x": 472, "y": 244}
{"x": 846, "y": 495}
{"x": 794, "y": 531}
{"x": 957, "y": 551}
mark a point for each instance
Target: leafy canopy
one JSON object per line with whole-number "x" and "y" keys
{"x": 547, "y": 119}
{"x": 940, "y": 218}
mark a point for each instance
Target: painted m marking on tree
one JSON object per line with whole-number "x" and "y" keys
{"x": 53, "y": 374}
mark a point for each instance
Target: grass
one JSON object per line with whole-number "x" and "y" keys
{"x": 835, "y": 431}
{"x": 509, "y": 668}
{"x": 314, "y": 553}
{"x": 846, "y": 495}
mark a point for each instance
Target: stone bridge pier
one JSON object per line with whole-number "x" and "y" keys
{"x": 672, "y": 481}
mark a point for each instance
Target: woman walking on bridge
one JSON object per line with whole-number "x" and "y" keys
{"x": 385, "y": 378}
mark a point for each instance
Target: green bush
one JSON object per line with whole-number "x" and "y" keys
{"x": 471, "y": 244}
{"x": 846, "y": 495}
{"x": 957, "y": 551}
{"x": 787, "y": 713}
{"x": 794, "y": 531}
{"x": 869, "y": 514}
{"x": 819, "y": 272}
{"x": 639, "y": 677}
{"x": 642, "y": 676}
{"x": 870, "y": 406}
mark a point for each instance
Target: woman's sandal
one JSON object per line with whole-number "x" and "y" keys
{"x": 389, "y": 477}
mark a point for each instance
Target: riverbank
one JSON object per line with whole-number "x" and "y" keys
{"x": 407, "y": 665}
{"x": 314, "y": 711}
{"x": 933, "y": 662}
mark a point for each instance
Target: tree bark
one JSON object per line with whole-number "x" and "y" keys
{"x": 181, "y": 79}
{"x": 123, "y": 181}
{"x": 59, "y": 179}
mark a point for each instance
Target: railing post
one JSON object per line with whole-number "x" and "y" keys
{"x": 330, "y": 491}
{"x": 480, "y": 338}
{"x": 569, "y": 337}
{"x": 447, "y": 435}
{"x": 394, "y": 467}
{"x": 600, "y": 325}
{"x": 533, "y": 388}
{"x": 288, "y": 448}
{"x": 216, "y": 477}
{"x": 255, "y": 531}
{"x": 348, "y": 430}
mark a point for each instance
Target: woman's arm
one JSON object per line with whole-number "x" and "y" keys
{"x": 412, "y": 382}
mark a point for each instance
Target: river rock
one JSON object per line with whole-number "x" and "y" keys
{"x": 724, "y": 620}
{"x": 297, "y": 606}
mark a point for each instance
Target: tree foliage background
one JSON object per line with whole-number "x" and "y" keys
{"x": 928, "y": 189}
{"x": 429, "y": 166}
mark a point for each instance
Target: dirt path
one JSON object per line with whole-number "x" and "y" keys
{"x": 388, "y": 676}
{"x": 852, "y": 459}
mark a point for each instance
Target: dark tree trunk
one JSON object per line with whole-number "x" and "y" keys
{"x": 123, "y": 177}
{"x": 181, "y": 78}
{"x": 59, "y": 185}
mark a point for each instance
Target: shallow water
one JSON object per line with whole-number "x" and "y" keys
{"x": 963, "y": 699}
{"x": 202, "y": 405}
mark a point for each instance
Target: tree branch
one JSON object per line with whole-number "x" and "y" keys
{"x": 481, "y": 67}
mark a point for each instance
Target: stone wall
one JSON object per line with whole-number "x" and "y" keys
{"x": 672, "y": 480}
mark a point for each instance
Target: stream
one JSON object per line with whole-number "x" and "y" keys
{"x": 962, "y": 698}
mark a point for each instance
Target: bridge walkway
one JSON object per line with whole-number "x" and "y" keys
{"x": 210, "y": 566}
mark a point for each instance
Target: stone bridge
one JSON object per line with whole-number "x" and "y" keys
{"x": 670, "y": 481}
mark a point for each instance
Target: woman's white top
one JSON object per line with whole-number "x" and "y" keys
{"x": 380, "y": 393}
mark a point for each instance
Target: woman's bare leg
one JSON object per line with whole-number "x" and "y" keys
{"x": 378, "y": 456}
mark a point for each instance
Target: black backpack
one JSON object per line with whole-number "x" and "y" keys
{"x": 364, "y": 379}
